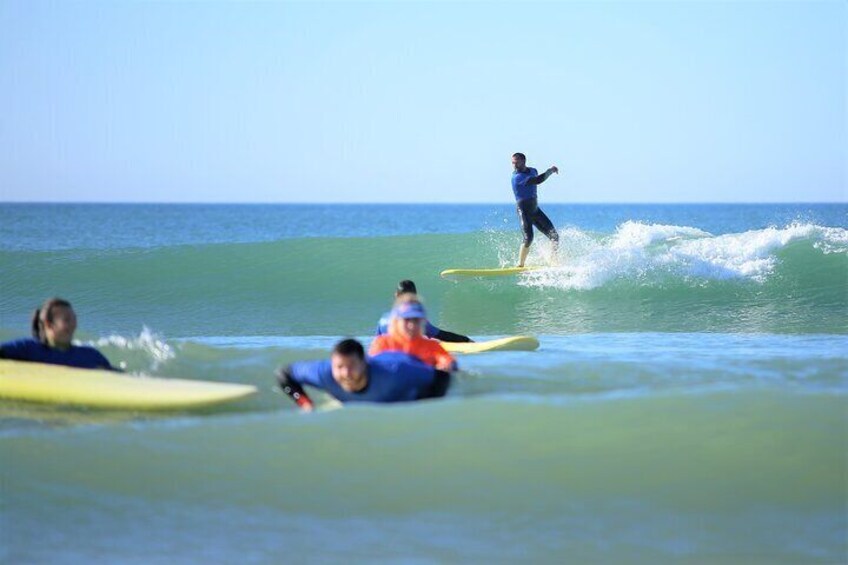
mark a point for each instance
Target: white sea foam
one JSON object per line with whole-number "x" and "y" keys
{"x": 146, "y": 342}
{"x": 636, "y": 235}
{"x": 649, "y": 252}
{"x": 750, "y": 254}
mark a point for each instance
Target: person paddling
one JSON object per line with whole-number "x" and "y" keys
{"x": 349, "y": 376}
{"x": 53, "y": 327}
{"x": 408, "y": 287}
{"x": 524, "y": 182}
{"x": 406, "y": 335}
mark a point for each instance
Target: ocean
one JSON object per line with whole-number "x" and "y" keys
{"x": 687, "y": 402}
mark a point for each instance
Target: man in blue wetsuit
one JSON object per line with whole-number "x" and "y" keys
{"x": 431, "y": 331}
{"x": 524, "y": 182}
{"x": 53, "y": 327}
{"x": 349, "y": 377}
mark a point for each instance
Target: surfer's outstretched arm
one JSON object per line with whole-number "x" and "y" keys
{"x": 539, "y": 179}
{"x": 292, "y": 388}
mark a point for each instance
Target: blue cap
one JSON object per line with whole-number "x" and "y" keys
{"x": 409, "y": 310}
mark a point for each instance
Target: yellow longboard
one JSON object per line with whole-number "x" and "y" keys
{"x": 513, "y": 343}
{"x": 488, "y": 272}
{"x": 54, "y": 384}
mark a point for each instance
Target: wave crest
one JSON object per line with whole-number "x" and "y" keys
{"x": 653, "y": 253}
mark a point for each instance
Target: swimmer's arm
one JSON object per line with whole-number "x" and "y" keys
{"x": 539, "y": 179}
{"x": 443, "y": 335}
{"x": 292, "y": 388}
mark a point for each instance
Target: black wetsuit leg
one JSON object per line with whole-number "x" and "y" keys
{"x": 531, "y": 215}
{"x": 525, "y": 209}
{"x": 545, "y": 225}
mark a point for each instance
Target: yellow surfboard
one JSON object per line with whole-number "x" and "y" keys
{"x": 54, "y": 384}
{"x": 512, "y": 343}
{"x": 447, "y": 273}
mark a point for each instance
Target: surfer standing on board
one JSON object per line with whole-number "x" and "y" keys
{"x": 524, "y": 182}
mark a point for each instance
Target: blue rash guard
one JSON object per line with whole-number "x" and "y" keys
{"x": 28, "y": 349}
{"x": 430, "y": 330}
{"x": 392, "y": 377}
{"x": 520, "y": 187}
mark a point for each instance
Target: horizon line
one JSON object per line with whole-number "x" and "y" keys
{"x": 499, "y": 203}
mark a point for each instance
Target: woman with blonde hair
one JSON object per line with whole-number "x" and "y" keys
{"x": 406, "y": 335}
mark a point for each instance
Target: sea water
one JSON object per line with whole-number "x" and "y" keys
{"x": 688, "y": 400}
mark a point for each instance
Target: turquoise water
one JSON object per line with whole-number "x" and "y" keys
{"x": 688, "y": 400}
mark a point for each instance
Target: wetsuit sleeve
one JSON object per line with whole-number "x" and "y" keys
{"x": 443, "y": 335}
{"x": 290, "y": 386}
{"x": 439, "y": 387}
{"x": 101, "y": 361}
{"x": 19, "y": 350}
{"x": 7, "y": 350}
{"x": 539, "y": 179}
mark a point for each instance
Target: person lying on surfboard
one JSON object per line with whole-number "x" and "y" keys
{"x": 53, "y": 327}
{"x": 524, "y": 182}
{"x": 431, "y": 331}
{"x": 349, "y": 376}
{"x": 406, "y": 335}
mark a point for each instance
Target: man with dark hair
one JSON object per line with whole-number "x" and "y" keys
{"x": 406, "y": 286}
{"x": 349, "y": 376}
{"x": 524, "y": 182}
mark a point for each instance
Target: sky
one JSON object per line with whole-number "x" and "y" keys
{"x": 289, "y": 102}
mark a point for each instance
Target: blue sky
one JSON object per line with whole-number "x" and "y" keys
{"x": 422, "y": 102}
